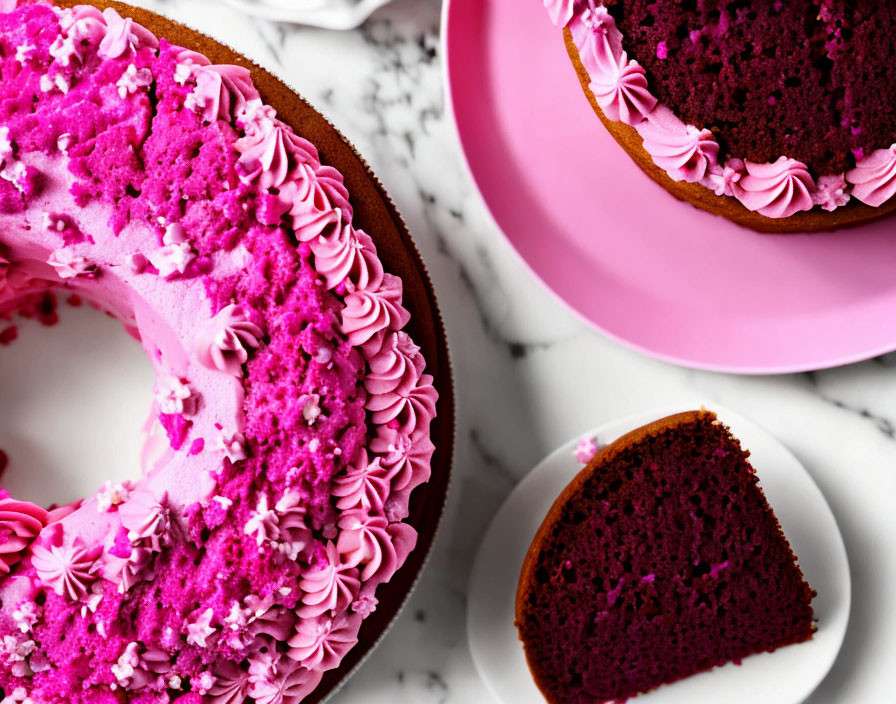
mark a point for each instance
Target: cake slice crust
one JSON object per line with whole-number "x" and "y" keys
{"x": 661, "y": 559}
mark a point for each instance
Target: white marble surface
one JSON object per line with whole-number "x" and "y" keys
{"x": 531, "y": 376}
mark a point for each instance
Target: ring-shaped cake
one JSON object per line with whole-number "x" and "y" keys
{"x": 299, "y": 364}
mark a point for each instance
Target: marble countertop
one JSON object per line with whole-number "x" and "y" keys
{"x": 530, "y": 375}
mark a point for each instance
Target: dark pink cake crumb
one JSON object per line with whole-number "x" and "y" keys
{"x": 824, "y": 68}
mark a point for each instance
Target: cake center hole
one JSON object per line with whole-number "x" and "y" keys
{"x": 74, "y": 399}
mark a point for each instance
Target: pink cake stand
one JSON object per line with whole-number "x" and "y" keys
{"x": 647, "y": 270}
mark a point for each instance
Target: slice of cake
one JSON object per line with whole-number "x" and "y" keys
{"x": 771, "y": 114}
{"x": 660, "y": 560}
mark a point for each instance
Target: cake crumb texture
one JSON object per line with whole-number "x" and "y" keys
{"x": 811, "y": 79}
{"x": 661, "y": 560}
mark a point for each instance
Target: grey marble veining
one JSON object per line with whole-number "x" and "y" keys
{"x": 530, "y": 375}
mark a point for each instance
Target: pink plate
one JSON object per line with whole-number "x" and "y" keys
{"x": 652, "y": 272}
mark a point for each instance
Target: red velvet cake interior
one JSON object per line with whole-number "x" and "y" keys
{"x": 771, "y": 78}
{"x": 662, "y": 559}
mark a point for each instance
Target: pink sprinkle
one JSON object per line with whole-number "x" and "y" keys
{"x": 715, "y": 569}
{"x": 662, "y": 51}
{"x": 585, "y": 450}
{"x": 177, "y": 428}
{"x": 858, "y": 153}
{"x": 197, "y": 446}
{"x": 121, "y": 547}
{"x": 772, "y": 100}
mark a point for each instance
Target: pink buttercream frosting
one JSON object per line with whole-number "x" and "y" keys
{"x": 618, "y": 84}
{"x": 277, "y": 623}
{"x": 289, "y": 683}
{"x": 131, "y": 569}
{"x": 688, "y": 153}
{"x": 406, "y": 457}
{"x": 369, "y": 312}
{"x": 684, "y": 152}
{"x": 231, "y": 684}
{"x": 85, "y": 26}
{"x": 874, "y": 178}
{"x": 123, "y": 36}
{"x": 291, "y": 411}
{"x": 20, "y": 523}
{"x": 223, "y": 343}
{"x": 312, "y": 224}
{"x": 67, "y": 569}
{"x": 365, "y": 540}
{"x": 621, "y": 91}
{"x": 221, "y": 90}
{"x": 271, "y": 151}
{"x": 395, "y": 367}
{"x": 776, "y": 190}
{"x": 560, "y": 11}
{"x": 295, "y": 534}
{"x": 321, "y": 643}
{"x": 342, "y": 254}
{"x": 318, "y": 188}
{"x": 722, "y": 179}
{"x": 146, "y": 517}
{"x": 331, "y": 588}
{"x": 831, "y": 192}
{"x": 365, "y": 484}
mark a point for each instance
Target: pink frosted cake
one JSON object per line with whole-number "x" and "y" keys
{"x": 773, "y": 114}
{"x": 298, "y": 413}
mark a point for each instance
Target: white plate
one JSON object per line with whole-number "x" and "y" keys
{"x": 786, "y": 676}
